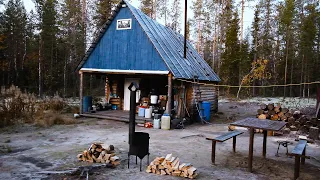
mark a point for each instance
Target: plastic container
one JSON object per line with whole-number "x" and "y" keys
{"x": 148, "y": 113}
{"x": 154, "y": 99}
{"x": 87, "y": 103}
{"x": 114, "y": 107}
{"x": 141, "y": 112}
{"x": 206, "y": 110}
{"x": 165, "y": 122}
{"x": 156, "y": 123}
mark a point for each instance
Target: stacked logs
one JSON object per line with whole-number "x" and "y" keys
{"x": 170, "y": 165}
{"x": 273, "y": 112}
{"x": 98, "y": 154}
{"x": 296, "y": 120}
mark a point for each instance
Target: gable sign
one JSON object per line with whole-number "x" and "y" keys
{"x": 123, "y": 24}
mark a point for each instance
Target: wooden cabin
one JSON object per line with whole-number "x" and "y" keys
{"x": 133, "y": 47}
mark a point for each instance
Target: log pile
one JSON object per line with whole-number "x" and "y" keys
{"x": 273, "y": 112}
{"x": 297, "y": 121}
{"x": 99, "y": 154}
{"x": 170, "y": 165}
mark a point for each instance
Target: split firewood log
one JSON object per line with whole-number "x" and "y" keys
{"x": 275, "y": 117}
{"x": 80, "y": 157}
{"x": 191, "y": 170}
{"x": 270, "y": 106}
{"x": 288, "y": 114}
{"x": 176, "y": 173}
{"x": 115, "y": 163}
{"x": 114, "y": 158}
{"x": 263, "y": 107}
{"x": 277, "y": 109}
{"x": 260, "y": 111}
{"x": 280, "y": 114}
{"x": 271, "y": 112}
{"x": 291, "y": 120}
{"x": 303, "y": 119}
{"x": 148, "y": 170}
{"x": 262, "y": 116}
{"x": 283, "y": 118}
{"x": 296, "y": 114}
{"x": 163, "y": 172}
{"x": 284, "y": 110}
{"x": 168, "y": 157}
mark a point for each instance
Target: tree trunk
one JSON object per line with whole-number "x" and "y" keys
{"x": 286, "y": 67}
{"x": 291, "y": 77}
{"x": 301, "y": 76}
{"x": 40, "y": 69}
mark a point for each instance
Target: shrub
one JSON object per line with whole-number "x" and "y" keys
{"x": 18, "y": 107}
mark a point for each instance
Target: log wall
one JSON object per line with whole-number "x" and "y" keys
{"x": 208, "y": 93}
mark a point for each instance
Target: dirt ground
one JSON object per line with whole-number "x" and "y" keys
{"x": 28, "y": 152}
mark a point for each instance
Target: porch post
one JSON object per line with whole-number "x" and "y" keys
{"x": 81, "y": 91}
{"x": 107, "y": 89}
{"x": 169, "y": 93}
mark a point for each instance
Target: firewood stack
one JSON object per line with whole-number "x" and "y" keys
{"x": 273, "y": 112}
{"x": 99, "y": 154}
{"x": 171, "y": 166}
{"x": 296, "y": 120}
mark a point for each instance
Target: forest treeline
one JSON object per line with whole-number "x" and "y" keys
{"x": 40, "y": 49}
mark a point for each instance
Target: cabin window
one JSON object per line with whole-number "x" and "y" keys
{"x": 123, "y": 24}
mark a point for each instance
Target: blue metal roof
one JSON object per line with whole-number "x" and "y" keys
{"x": 169, "y": 45}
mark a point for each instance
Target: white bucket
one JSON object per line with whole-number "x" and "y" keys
{"x": 156, "y": 124}
{"x": 148, "y": 113}
{"x": 154, "y": 99}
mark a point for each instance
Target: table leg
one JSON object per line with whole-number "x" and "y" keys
{"x": 234, "y": 143}
{"x": 303, "y": 159}
{"x": 296, "y": 167}
{"x": 251, "y": 149}
{"x": 213, "y": 152}
{"x": 264, "y": 150}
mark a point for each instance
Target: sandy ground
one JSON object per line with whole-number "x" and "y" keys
{"x": 28, "y": 152}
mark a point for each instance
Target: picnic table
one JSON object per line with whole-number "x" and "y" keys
{"x": 255, "y": 123}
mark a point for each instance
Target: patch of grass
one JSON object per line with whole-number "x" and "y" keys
{"x": 50, "y": 118}
{"x": 21, "y": 107}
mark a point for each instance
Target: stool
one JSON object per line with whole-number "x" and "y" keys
{"x": 284, "y": 144}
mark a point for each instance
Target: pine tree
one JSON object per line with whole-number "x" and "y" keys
{"x": 48, "y": 61}
{"x": 74, "y": 40}
{"x": 197, "y": 7}
{"x": 230, "y": 57}
{"x": 148, "y": 7}
{"x": 175, "y": 16}
{"x": 163, "y": 9}
{"x": 286, "y": 29}
{"x": 32, "y": 53}
{"x": 15, "y": 20}
{"x": 103, "y": 10}
{"x": 307, "y": 44}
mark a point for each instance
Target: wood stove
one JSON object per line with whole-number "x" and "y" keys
{"x": 138, "y": 141}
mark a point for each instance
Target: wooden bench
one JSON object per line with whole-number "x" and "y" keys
{"x": 222, "y": 138}
{"x": 299, "y": 151}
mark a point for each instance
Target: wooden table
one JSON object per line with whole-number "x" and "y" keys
{"x": 255, "y": 123}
